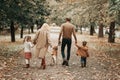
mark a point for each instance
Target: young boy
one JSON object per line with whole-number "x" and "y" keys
{"x": 83, "y": 52}
{"x": 54, "y": 54}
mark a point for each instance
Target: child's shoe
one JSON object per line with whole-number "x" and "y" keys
{"x": 27, "y": 66}
{"x": 82, "y": 65}
{"x": 64, "y": 62}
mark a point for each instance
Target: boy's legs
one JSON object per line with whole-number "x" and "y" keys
{"x": 83, "y": 61}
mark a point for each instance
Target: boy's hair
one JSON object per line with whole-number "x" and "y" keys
{"x": 26, "y": 38}
{"x": 84, "y": 42}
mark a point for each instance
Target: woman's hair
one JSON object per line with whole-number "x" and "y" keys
{"x": 45, "y": 26}
{"x": 26, "y": 38}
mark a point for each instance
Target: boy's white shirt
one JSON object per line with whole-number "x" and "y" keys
{"x": 27, "y": 46}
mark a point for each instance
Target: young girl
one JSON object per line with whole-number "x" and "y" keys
{"x": 27, "y": 50}
{"x": 83, "y": 52}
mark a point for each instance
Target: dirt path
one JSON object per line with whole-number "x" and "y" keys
{"x": 99, "y": 67}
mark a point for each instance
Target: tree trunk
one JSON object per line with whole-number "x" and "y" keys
{"x": 91, "y": 30}
{"x": 28, "y": 29}
{"x": 111, "y": 33}
{"x": 80, "y": 29}
{"x": 100, "y": 33}
{"x": 32, "y": 29}
{"x": 21, "y": 34}
{"x": 12, "y": 30}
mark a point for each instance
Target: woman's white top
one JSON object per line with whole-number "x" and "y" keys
{"x": 27, "y": 46}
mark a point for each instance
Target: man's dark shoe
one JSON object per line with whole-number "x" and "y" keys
{"x": 64, "y": 62}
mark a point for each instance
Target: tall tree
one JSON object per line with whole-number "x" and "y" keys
{"x": 111, "y": 37}
{"x": 114, "y": 9}
{"x": 92, "y": 27}
{"x": 22, "y": 11}
{"x": 100, "y": 33}
{"x": 114, "y": 13}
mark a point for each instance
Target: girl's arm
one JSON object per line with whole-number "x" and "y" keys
{"x": 31, "y": 45}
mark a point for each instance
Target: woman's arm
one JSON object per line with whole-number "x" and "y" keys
{"x": 48, "y": 39}
{"x": 35, "y": 38}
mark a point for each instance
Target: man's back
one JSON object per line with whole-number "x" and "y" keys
{"x": 67, "y": 29}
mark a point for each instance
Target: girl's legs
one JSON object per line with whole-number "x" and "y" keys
{"x": 27, "y": 63}
{"x": 27, "y": 59}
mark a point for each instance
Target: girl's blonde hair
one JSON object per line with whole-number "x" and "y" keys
{"x": 45, "y": 27}
{"x": 26, "y": 38}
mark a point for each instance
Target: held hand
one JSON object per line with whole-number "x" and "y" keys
{"x": 59, "y": 42}
{"x": 77, "y": 54}
{"x": 51, "y": 46}
{"x": 77, "y": 46}
{"x": 34, "y": 42}
{"x": 75, "y": 42}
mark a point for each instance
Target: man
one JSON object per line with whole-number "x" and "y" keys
{"x": 67, "y": 29}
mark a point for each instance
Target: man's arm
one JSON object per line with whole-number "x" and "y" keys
{"x": 77, "y": 46}
{"x": 74, "y": 34}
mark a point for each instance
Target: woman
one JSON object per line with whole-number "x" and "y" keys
{"x": 42, "y": 41}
